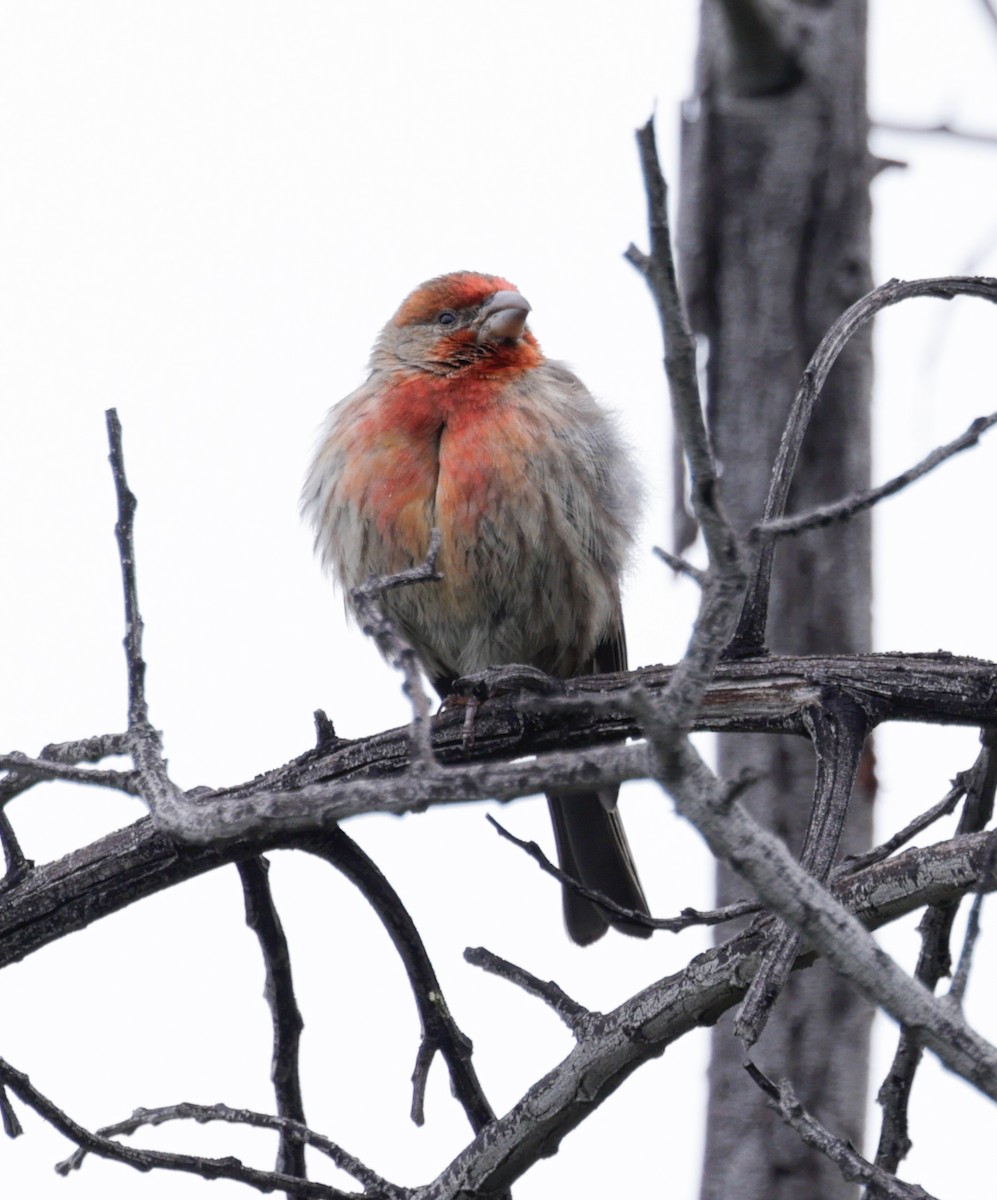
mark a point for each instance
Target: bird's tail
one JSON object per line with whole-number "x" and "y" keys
{"x": 592, "y": 848}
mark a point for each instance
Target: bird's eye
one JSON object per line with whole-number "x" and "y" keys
{"x": 446, "y": 317}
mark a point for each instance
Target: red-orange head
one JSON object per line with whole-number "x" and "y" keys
{"x": 459, "y": 323}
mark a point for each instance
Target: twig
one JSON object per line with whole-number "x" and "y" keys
{"x": 144, "y": 742}
{"x": 960, "y": 979}
{"x": 11, "y": 1125}
{"x": 124, "y": 531}
{"x": 688, "y": 918}
{"x": 838, "y": 729}
{"x": 750, "y": 636}
{"x": 147, "y": 1160}
{"x": 15, "y": 783}
{"x": 263, "y": 919}
{"x": 541, "y": 859}
{"x": 574, "y": 1015}
{"x": 621, "y": 1040}
{"x": 680, "y": 565}
{"x": 440, "y": 1032}
{"x": 761, "y": 859}
{"x": 843, "y": 510}
{"x": 944, "y": 807}
{"x": 42, "y": 768}
{"x": 724, "y": 583}
{"x": 16, "y": 866}
{"x": 205, "y": 1113}
{"x": 842, "y": 1153}
{"x": 933, "y": 963}
{"x": 378, "y": 625}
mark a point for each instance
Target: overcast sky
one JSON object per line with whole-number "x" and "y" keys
{"x": 207, "y": 212}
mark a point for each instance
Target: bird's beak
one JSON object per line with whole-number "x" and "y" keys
{"x": 504, "y": 316}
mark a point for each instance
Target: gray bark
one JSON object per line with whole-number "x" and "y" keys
{"x": 774, "y": 242}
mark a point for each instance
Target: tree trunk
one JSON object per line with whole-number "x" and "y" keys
{"x": 774, "y": 243}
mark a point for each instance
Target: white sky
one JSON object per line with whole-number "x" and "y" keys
{"x": 207, "y": 211}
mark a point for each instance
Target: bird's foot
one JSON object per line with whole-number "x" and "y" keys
{"x": 514, "y": 677}
{"x": 471, "y": 690}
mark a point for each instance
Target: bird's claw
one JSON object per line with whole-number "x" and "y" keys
{"x": 471, "y": 690}
{"x": 514, "y": 677}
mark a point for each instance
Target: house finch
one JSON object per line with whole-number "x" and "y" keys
{"x": 463, "y": 425}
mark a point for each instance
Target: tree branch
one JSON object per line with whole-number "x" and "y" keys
{"x": 850, "y": 506}
{"x": 263, "y": 919}
{"x": 839, "y": 728}
{"x": 147, "y": 1160}
{"x": 852, "y": 1165}
{"x": 440, "y": 1032}
{"x": 750, "y": 636}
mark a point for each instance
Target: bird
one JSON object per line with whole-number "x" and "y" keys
{"x": 464, "y": 426}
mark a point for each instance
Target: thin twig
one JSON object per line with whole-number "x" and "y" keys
{"x": 147, "y": 1160}
{"x": 144, "y": 742}
{"x": 680, "y": 565}
{"x": 838, "y": 729}
{"x": 934, "y": 962}
{"x": 688, "y": 918}
{"x": 263, "y": 919}
{"x": 960, "y": 979}
{"x": 723, "y": 586}
{"x": 16, "y": 865}
{"x": 750, "y": 636}
{"x": 367, "y": 600}
{"x": 11, "y": 1125}
{"x": 762, "y": 860}
{"x": 203, "y": 1114}
{"x": 576, "y": 1016}
{"x": 944, "y": 807}
{"x": 850, "y": 506}
{"x": 440, "y": 1032}
{"x": 44, "y": 769}
{"x": 842, "y": 1153}
{"x": 15, "y": 783}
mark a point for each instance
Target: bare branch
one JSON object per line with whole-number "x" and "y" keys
{"x": 37, "y": 769}
{"x": 838, "y": 728}
{"x": 573, "y": 1014}
{"x": 934, "y": 962}
{"x": 750, "y": 636}
{"x": 440, "y": 1032}
{"x": 15, "y": 864}
{"x": 843, "y": 510}
{"x": 680, "y": 565}
{"x": 943, "y": 808}
{"x": 960, "y": 979}
{"x": 91, "y": 749}
{"x": 843, "y": 1154}
{"x": 724, "y": 584}
{"x": 688, "y": 918}
{"x": 11, "y": 1125}
{"x": 262, "y": 918}
{"x": 762, "y": 860}
{"x": 147, "y": 1160}
{"x": 638, "y": 1030}
{"x": 205, "y": 1113}
{"x": 379, "y": 626}
{"x": 144, "y": 742}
